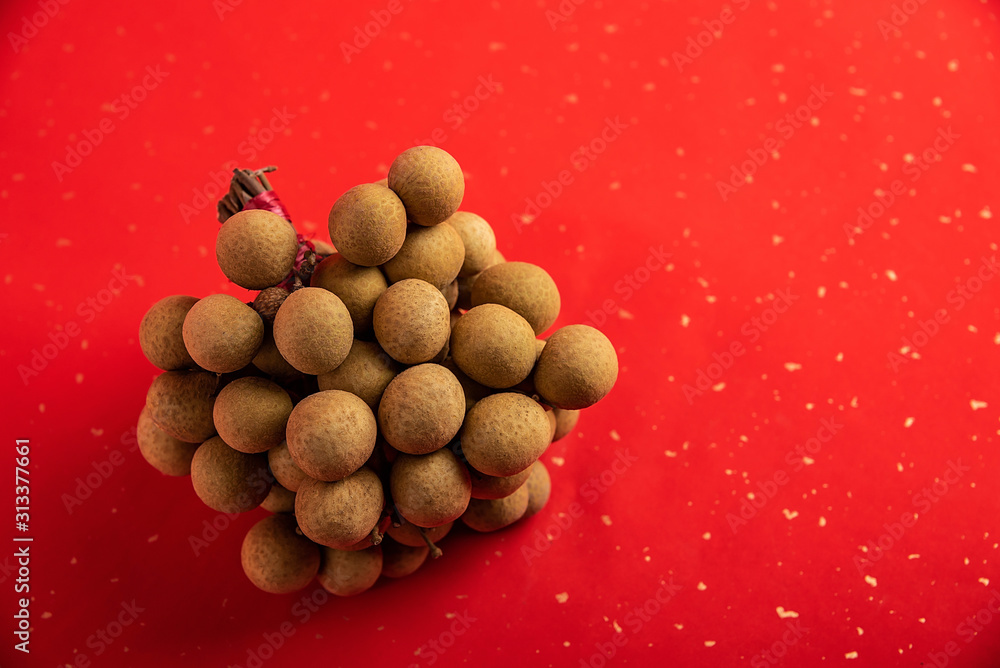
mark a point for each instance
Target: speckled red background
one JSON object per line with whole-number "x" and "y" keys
{"x": 730, "y": 537}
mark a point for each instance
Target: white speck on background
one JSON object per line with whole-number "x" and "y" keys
{"x": 563, "y": 597}
{"x": 785, "y": 614}
{"x": 871, "y": 580}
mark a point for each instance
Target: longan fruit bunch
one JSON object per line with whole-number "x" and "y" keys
{"x": 373, "y": 394}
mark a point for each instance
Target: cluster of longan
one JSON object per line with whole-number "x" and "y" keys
{"x": 402, "y": 389}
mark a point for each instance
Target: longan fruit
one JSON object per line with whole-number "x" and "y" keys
{"x": 166, "y": 454}
{"x": 222, "y": 334}
{"x": 358, "y": 287}
{"x": 368, "y": 224}
{"x": 331, "y": 434}
{"x": 473, "y": 391}
{"x": 250, "y": 414}
{"x": 496, "y": 487}
{"x": 450, "y": 293}
{"x": 539, "y": 488}
{"x": 479, "y": 241}
{"x": 279, "y": 500}
{"x": 278, "y": 559}
{"x": 504, "y": 434}
{"x": 430, "y": 490}
{"x": 410, "y": 534}
{"x": 411, "y": 321}
{"x": 401, "y": 560}
{"x": 577, "y": 368}
{"x": 366, "y": 372}
{"x": 161, "y": 333}
{"x": 348, "y": 573}
{"x": 284, "y": 468}
{"x": 492, "y": 514}
{"x": 524, "y": 288}
{"x": 339, "y": 514}
{"x": 270, "y": 361}
{"x": 228, "y": 480}
{"x": 422, "y": 409}
{"x": 313, "y": 330}
{"x": 256, "y": 249}
{"x": 181, "y": 404}
{"x": 465, "y": 283}
{"x": 432, "y": 254}
{"x": 494, "y": 346}
{"x": 429, "y": 182}
{"x": 323, "y": 248}
{"x": 565, "y": 422}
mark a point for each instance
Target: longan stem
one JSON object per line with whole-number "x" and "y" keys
{"x": 435, "y": 550}
{"x": 376, "y": 535}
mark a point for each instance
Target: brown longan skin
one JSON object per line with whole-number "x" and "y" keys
{"x": 400, "y": 560}
{"x": 228, "y": 480}
{"x": 161, "y": 336}
{"x": 256, "y": 249}
{"x": 496, "y": 487}
{"x": 409, "y": 534}
{"x": 339, "y": 514}
{"x": 313, "y": 331}
{"x": 494, "y": 346}
{"x": 577, "y": 368}
{"x": 450, "y": 293}
{"x": 478, "y": 238}
{"x": 429, "y": 182}
{"x": 331, "y": 434}
{"x": 422, "y": 409}
{"x": 368, "y": 224}
{"x": 181, "y": 404}
{"x": 270, "y": 361}
{"x": 284, "y": 468}
{"x": 358, "y": 287}
{"x": 349, "y": 573}
{"x": 504, "y": 434}
{"x": 250, "y": 414}
{"x": 430, "y": 490}
{"x": 279, "y": 500}
{"x": 473, "y": 391}
{"x": 366, "y": 372}
{"x": 412, "y": 322}
{"x": 487, "y": 515}
{"x": 525, "y": 288}
{"x": 222, "y": 334}
{"x": 565, "y": 422}
{"x": 164, "y": 453}
{"x": 276, "y": 558}
{"x": 539, "y": 486}
{"x": 432, "y": 254}
{"x": 465, "y": 283}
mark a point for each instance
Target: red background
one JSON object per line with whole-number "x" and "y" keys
{"x": 665, "y": 517}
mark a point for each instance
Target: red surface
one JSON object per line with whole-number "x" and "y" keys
{"x": 664, "y": 519}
